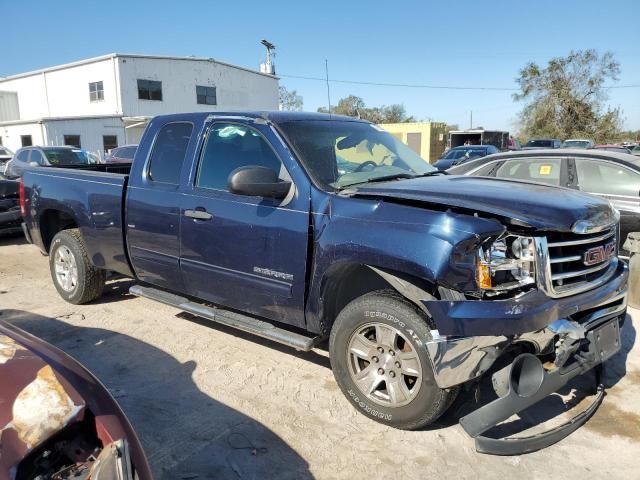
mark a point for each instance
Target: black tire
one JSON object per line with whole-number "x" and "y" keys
{"x": 90, "y": 279}
{"x": 388, "y": 308}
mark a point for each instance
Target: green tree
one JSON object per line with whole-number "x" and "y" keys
{"x": 567, "y": 97}
{"x": 290, "y": 100}
{"x": 354, "y": 106}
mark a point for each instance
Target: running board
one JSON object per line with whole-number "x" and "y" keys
{"x": 230, "y": 319}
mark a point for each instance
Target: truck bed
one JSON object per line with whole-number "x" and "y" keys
{"x": 93, "y": 195}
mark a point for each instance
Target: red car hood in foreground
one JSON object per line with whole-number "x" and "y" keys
{"x": 56, "y": 418}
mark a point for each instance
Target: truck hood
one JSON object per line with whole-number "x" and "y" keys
{"x": 528, "y": 204}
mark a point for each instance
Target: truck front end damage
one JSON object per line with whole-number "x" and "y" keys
{"x": 563, "y": 323}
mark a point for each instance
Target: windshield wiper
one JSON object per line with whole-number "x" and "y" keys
{"x": 384, "y": 178}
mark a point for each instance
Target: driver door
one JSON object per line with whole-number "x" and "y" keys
{"x": 244, "y": 252}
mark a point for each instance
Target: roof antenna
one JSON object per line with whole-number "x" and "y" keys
{"x": 268, "y": 66}
{"x": 326, "y": 71}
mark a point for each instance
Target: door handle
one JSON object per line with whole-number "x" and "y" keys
{"x": 198, "y": 214}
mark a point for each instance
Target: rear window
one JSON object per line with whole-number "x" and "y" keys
{"x": 169, "y": 151}
{"x": 66, "y": 156}
{"x": 125, "y": 152}
{"x": 466, "y": 152}
{"x": 539, "y": 143}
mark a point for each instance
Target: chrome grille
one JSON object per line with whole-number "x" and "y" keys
{"x": 574, "y": 263}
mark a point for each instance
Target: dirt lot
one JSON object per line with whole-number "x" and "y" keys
{"x": 210, "y": 402}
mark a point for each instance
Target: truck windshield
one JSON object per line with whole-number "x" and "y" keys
{"x": 338, "y": 153}
{"x": 66, "y": 156}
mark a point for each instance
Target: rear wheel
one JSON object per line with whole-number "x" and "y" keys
{"x": 380, "y": 362}
{"x": 74, "y": 276}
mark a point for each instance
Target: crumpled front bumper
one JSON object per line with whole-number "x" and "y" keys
{"x": 529, "y": 382}
{"x": 472, "y": 334}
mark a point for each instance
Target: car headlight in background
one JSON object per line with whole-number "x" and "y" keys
{"x": 506, "y": 263}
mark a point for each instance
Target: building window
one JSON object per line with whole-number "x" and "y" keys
{"x": 72, "y": 140}
{"x": 109, "y": 142}
{"x": 26, "y": 140}
{"x": 96, "y": 91}
{"x": 206, "y": 95}
{"x": 149, "y": 90}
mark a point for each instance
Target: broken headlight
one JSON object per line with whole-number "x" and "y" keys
{"x": 506, "y": 263}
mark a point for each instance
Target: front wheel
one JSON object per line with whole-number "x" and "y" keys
{"x": 77, "y": 280}
{"x": 380, "y": 361}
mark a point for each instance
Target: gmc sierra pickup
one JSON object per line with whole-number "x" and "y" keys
{"x": 306, "y": 227}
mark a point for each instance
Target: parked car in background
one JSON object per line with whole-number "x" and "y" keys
{"x": 610, "y": 175}
{"x": 57, "y": 421}
{"x": 123, "y": 154}
{"x": 46, "y": 157}
{"x": 5, "y": 156}
{"x": 418, "y": 280}
{"x": 612, "y": 148}
{"x": 636, "y": 151}
{"x": 459, "y": 155}
{"x": 577, "y": 143}
{"x": 10, "y": 216}
{"x": 542, "y": 143}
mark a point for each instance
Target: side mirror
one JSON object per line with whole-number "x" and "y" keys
{"x": 257, "y": 181}
{"x": 34, "y": 164}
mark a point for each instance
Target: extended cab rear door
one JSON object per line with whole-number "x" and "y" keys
{"x": 244, "y": 252}
{"x": 153, "y": 202}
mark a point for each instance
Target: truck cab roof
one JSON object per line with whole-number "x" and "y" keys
{"x": 274, "y": 116}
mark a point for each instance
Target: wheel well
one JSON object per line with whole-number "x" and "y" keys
{"x": 348, "y": 282}
{"x": 52, "y": 222}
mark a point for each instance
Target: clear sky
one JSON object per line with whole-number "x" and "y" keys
{"x": 461, "y": 43}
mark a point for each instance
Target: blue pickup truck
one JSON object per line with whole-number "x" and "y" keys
{"x": 303, "y": 228}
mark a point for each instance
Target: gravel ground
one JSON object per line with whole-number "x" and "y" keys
{"x": 210, "y": 402}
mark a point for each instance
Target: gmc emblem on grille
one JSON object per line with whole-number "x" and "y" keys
{"x": 599, "y": 254}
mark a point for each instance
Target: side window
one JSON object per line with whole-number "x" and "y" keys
{"x": 607, "y": 178}
{"x": 169, "y": 151}
{"x": 229, "y": 146}
{"x": 23, "y": 156}
{"x": 542, "y": 170}
{"x": 37, "y": 157}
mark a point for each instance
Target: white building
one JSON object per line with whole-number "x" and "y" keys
{"x": 106, "y": 101}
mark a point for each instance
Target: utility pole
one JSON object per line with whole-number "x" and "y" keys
{"x": 268, "y": 66}
{"x": 470, "y": 118}
{"x": 326, "y": 70}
